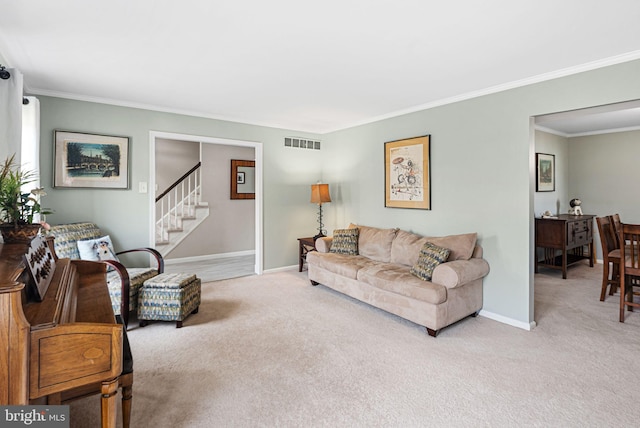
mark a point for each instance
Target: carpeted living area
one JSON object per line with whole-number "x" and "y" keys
{"x": 272, "y": 350}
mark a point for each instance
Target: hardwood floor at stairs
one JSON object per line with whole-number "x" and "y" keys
{"x": 216, "y": 269}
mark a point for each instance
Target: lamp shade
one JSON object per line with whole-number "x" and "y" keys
{"x": 320, "y": 193}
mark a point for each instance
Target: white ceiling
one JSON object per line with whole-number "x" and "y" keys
{"x": 309, "y": 66}
{"x": 596, "y": 120}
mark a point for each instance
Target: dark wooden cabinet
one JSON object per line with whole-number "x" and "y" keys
{"x": 564, "y": 240}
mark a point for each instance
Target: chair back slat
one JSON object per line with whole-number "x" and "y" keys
{"x": 617, "y": 225}
{"x": 608, "y": 239}
{"x": 630, "y": 250}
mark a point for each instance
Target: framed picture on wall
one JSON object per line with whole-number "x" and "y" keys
{"x": 545, "y": 172}
{"x": 84, "y": 160}
{"x": 407, "y": 180}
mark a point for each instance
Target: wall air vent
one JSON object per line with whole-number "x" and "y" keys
{"x": 301, "y": 143}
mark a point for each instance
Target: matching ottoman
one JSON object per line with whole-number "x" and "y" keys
{"x": 168, "y": 297}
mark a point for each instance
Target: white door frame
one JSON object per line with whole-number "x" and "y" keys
{"x": 209, "y": 140}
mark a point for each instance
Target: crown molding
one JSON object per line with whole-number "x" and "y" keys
{"x": 618, "y": 59}
{"x": 594, "y": 65}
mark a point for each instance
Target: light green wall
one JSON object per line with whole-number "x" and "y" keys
{"x": 603, "y": 171}
{"x": 482, "y": 172}
{"x": 288, "y": 174}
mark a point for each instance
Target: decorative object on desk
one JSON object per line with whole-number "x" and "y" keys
{"x": 545, "y": 172}
{"x": 95, "y": 161}
{"x": 547, "y": 214}
{"x": 19, "y": 209}
{"x": 406, "y": 164}
{"x": 320, "y": 195}
{"x": 575, "y": 206}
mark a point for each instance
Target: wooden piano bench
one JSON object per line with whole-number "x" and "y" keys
{"x": 169, "y": 297}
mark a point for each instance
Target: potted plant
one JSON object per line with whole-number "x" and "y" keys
{"x": 18, "y": 209}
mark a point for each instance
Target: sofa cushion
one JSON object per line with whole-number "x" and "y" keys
{"x": 406, "y": 247}
{"x": 137, "y": 276}
{"x": 398, "y": 279}
{"x": 430, "y": 256}
{"x": 66, "y": 236}
{"x": 345, "y": 241}
{"x": 461, "y": 246}
{"x": 340, "y": 264}
{"x": 97, "y": 249}
{"x": 375, "y": 243}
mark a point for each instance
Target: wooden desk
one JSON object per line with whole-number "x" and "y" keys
{"x": 568, "y": 235}
{"x": 305, "y": 245}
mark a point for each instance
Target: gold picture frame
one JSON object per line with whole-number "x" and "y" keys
{"x": 407, "y": 173}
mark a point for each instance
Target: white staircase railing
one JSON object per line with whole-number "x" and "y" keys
{"x": 178, "y": 203}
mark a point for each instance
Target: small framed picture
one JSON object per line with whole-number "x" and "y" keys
{"x": 240, "y": 178}
{"x": 84, "y": 160}
{"x": 545, "y": 172}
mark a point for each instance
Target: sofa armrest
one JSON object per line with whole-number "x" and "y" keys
{"x": 125, "y": 287}
{"x": 323, "y": 245}
{"x": 459, "y": 272}
{"x": 155, "y": 253}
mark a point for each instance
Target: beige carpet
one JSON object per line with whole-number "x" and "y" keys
{"x": 273, "y": 351}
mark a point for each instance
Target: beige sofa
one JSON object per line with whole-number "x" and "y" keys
{"x": 380, "y": 275}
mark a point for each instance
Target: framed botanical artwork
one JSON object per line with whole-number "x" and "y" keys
{"x": 407, "y": 173}
{"x": 84, "y": 160}
{"x": 545, "y": 172}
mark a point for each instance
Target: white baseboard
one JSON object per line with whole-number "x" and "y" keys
{"x": 282, "y": 269}
{"x": 209, "y": 257}
{"x": 506, "y": 320}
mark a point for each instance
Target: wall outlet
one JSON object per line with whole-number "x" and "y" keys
{"x": 142, "y": 187}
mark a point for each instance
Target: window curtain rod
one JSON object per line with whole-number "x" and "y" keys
{"x": 5, "y": 75}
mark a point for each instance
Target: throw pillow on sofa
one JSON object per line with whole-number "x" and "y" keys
{"x": 97, "y": 249}
{"x": 345, "y": 241}
{"x": 430, "y": 256}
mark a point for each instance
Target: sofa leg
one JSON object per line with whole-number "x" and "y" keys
{"x": 314, "y": 283}
{"x": 432, "y": 333}
{"x": 475, "y": 314}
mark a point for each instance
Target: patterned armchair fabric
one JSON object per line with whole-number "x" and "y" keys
{"x": 65, "y": 245}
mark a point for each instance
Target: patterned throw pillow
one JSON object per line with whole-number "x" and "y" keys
{"x": 97, "y": 249}
{"x": 345, "y": 241}
{"x": 430, "y": 256}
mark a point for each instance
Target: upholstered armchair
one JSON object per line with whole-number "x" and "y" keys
{"x": 123, "y": 282}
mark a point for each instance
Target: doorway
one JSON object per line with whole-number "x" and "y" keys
{"x": 203, "y": 140}
{"x": 588, "y": 146}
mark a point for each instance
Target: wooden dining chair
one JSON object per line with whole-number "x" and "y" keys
{"x": 629, "y": 266}
{"x": 610, "y": 256}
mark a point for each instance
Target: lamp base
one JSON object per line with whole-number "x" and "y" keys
{"x": 319, "y": 235}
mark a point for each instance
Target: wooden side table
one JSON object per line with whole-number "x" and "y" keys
{"x": 306, "y": 245}
{"x": 568, "y": 234}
